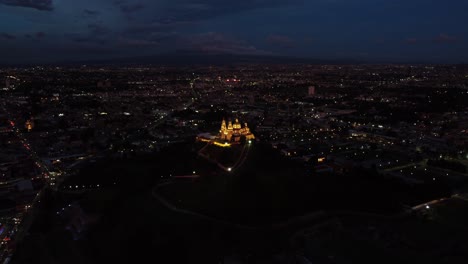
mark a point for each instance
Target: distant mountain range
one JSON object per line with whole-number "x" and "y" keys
{"x": 193, "y": 58}
{"x": 187, "y": 58}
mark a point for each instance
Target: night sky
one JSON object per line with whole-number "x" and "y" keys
{"x": 369, "y": 30}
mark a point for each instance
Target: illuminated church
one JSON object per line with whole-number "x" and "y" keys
{"x": 233, "y": 132}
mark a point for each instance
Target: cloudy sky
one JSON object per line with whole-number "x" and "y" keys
{"x": 369, "y": 30}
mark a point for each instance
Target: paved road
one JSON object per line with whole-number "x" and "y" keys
{"x": 176, "y": 209}
{"x": 427, "y": 205}
{"x": 239, "y": 162}
{"x": 314, "y": 218}
{"x": 30, "y": 214}
{"x": 417, "y": 164}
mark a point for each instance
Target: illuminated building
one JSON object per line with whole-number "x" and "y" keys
{"x": 29, "y": 125}
{"x": 233, "y": 132}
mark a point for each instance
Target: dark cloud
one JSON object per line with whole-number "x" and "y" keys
{"x": 88, "y": 39}
{"x": 162, "y": 36}
{"x": 7, "y": 36}
{"x": 309, "y": 40}
{"x": 88, "y": 12}
{"x": 131, "y": 8}
{"x": 155, "y": 31}
{"x": 154, "y": 27}
{"x": 40, "y": 35}
{"x": 169, "y": 25}
{"x": 195, "y": 10}
{"x": 215, "y": 7}
{"x": 77, "y": 49}
{"x": 170, "y": 22}
{"x": 170, "y": 16}
{"x": 379, "y": 41}
{"x": 79, "y": 38}
{"x": 148, "y": 39}
{"x": 411, "y": 40}
{"x": 43, "y": 5}
{"x": 280, "y": 41}
{"x": 137, "y": 42}
{"x": 96, "y": 29}
{"x": 97, "y": 34}
{"x": 444, "y": 38}
{"x": 217, "y": 43}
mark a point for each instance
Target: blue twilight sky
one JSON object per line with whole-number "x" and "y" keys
{"x": 368, "y": 30}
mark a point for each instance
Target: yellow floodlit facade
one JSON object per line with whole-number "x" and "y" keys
{"x": 233, "y": 132}
{"x": 29, "y": 125}
{"x": 223, "y": 145}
